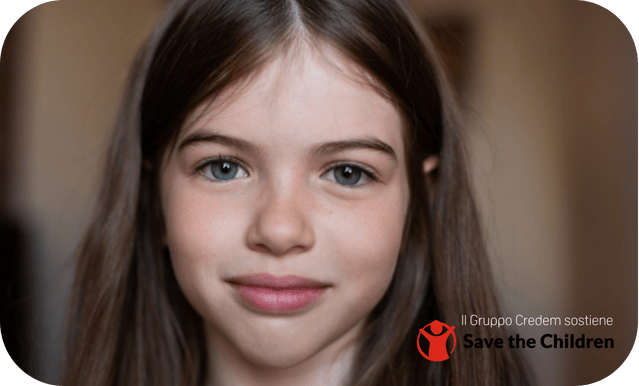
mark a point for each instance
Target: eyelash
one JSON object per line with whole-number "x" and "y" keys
{"x": 368, "y": 172}
{"x": 200, "y": 167}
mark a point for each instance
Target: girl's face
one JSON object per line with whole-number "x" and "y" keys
{"x": 284, "y": 204}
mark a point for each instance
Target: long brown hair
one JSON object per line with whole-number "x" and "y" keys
{"x": 129, "y": 323}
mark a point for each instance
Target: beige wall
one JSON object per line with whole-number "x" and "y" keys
{"x": 76, "y": 58}
{"x": 552, "y": 125}
{"x": 554, "y": 145}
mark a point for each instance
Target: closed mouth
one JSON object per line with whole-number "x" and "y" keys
{"x": 271, "y": 294}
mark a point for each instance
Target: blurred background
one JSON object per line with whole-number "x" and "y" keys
{"x": 549, "y": 91}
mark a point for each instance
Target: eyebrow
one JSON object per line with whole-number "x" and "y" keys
{"x": 205, "y": 136}
{"x": 318, "y": 150}
{"x": 364, "y": 143}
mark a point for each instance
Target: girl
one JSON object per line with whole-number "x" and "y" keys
{"x": 285, "y": 203}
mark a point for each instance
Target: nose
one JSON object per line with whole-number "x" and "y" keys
{"x": 281, "y": 223}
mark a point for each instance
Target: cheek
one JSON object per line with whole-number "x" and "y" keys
{"x": 186, "y": 233}
{"x": 191, "y": 226}
{"x": 369, "y": 238}
{"x": 201, "y": 236}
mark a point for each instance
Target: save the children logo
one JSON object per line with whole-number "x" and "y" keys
{"x": 437, "y": 338}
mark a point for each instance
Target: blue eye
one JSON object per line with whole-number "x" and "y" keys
{"x": 223, "y": 170}
{"x": 349, "y": 175}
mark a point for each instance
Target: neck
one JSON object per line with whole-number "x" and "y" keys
{"x": 330, "y": 366}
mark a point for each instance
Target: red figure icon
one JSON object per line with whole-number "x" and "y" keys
{"x": 437, "y": 340}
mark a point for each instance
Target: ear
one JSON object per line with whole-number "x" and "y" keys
{"x": 430, "y": 163}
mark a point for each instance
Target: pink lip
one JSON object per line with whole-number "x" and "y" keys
{"x": 278, "y": 294}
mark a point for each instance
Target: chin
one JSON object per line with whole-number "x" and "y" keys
{"x": 279, "y": 360}
{"x": 284, "y": 351}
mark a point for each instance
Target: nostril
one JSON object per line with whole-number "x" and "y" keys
{"x": 262, "y": 248}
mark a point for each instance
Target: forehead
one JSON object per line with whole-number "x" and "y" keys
{"x": 309, "y": 96}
